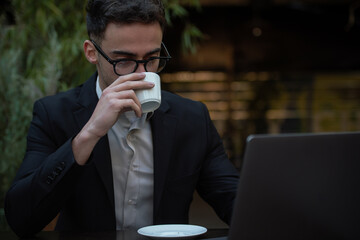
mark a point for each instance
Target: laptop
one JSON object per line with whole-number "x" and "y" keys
{"x": 299, "y": 186}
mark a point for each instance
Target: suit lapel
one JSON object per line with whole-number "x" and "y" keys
{"x": 102, "y": 161}
{"x": 163, "y": 130}
{"x": 101, "y": 153}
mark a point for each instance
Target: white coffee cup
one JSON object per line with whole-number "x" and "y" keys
{"x": 150, "y": 99}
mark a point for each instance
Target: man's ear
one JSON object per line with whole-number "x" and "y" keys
{"x": 90, "y": 52}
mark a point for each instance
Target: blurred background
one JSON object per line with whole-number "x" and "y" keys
{"x": 260, "y": 66}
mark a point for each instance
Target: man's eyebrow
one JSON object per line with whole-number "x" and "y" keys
{"x": 156, "y": 50}
{"x": 130, "y": 54}
{"x": 118, "y": 52}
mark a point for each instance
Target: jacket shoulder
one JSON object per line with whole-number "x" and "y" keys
{"x": 82, "y": 95}
{"x": 179, "y": 103}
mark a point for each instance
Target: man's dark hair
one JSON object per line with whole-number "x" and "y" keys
{"x": 102, "y": 12}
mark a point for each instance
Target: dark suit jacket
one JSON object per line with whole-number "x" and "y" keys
{"x": 188, "y": 155}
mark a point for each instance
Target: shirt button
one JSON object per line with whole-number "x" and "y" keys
{"x": 135, "y": 166}
{"x": 130, "y": 137}
{"x": 131, "y": 202}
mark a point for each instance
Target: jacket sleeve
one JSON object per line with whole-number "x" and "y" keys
{"x": 43, "y": 181}
{"x": 219, "y": 178}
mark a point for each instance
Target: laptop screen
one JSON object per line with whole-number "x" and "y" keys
{"x": 299, "y": 186}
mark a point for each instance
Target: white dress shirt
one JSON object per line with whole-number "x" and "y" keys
{"x": 131, "y": 150}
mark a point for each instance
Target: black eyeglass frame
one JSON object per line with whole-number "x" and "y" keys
{"x": 114, "y": 62}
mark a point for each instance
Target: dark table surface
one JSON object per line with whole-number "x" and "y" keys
{"x": 111, "y": 235}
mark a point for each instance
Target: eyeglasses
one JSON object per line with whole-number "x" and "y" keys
{"x": 127, "y": 65}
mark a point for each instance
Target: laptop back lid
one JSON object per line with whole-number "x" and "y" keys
{"x": 299, "y": 186}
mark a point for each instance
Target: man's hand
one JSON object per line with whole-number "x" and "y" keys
{"x": 116, "y": 99}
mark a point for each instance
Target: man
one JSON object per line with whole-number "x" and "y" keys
{"x": 96, "y": 159}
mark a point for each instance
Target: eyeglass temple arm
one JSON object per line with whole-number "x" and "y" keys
{"x": 166, "y": 51}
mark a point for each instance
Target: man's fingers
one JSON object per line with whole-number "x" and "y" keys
{"x": 129, "y": 77}
{"x": 119, "y": 101}
{"x": 127, "y": 82}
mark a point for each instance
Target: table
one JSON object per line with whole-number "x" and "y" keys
{"x": 110, "y": 235}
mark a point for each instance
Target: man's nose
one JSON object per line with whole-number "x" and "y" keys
{"x": 141, "y": 68}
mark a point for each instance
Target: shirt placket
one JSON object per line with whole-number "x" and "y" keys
{"x": 132, "y": 183}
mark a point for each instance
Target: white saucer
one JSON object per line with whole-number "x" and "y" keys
{"x": 178, "y": 231}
